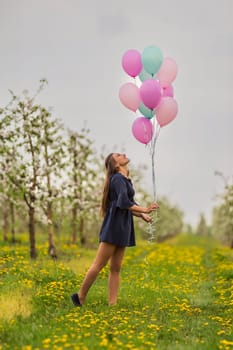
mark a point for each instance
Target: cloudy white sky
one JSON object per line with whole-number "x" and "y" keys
{"x": 77, "y": 45}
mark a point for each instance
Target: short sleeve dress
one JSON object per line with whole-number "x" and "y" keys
{"x": 118, "y": 226}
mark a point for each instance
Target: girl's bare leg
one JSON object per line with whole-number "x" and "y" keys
{"x": 104, "y": 252}
{"x": 114, "y": 276}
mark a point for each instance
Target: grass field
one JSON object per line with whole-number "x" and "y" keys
{"x": 175, "y": 295}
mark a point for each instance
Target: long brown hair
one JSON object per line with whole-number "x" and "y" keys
{"x": 110, "y": 167}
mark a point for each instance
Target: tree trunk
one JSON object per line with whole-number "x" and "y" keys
{"x": 12, "y": 211}
{"x": 52, "y": 249}
{"x": 32, "y": 237}
{"x": 5, "y": 223}
{"x": 231, "y": 239}
{"x": 74, "y": 224}
{"x": 83, "y": 239}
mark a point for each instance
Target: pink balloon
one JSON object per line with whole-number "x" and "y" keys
{"x": 150, "y": 92}
{"x": 142, "y": 129}
{"x": 132, "y": 62}
{"x": 167, "y": 72}
{"x": 166, "y": 111}
{"x": 168, "y": 91}
{"x": 129, "y": 96}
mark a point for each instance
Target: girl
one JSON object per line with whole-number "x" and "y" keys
{"x": 117, "y": 231}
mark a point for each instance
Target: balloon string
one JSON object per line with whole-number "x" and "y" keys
{"x": 153, "y": 143}
{"x": 151, "y": 226}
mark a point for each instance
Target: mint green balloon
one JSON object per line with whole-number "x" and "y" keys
{"x": 148, "y": 113}
{"x": 144, "y": 75}
{"x": 152, "y": 59}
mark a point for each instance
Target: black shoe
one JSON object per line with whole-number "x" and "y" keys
{"x": 75, "y": 299}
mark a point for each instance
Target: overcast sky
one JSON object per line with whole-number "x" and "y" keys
{"x": 77, "y": 46}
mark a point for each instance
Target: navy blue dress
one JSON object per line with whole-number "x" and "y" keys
{"x": 118, "y": 226}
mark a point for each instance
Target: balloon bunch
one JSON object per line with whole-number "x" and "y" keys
{"x": 151, "y": 94}
{"x": 154, "y": 97}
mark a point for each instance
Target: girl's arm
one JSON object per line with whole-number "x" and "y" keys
{"x": 139, "y": 215}
{"x": 143, "y": 216}
{"x": 136, "y": 209}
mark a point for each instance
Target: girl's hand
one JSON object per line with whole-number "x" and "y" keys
{"x": 152, "y": 207}
{"x": 146, "y": 217}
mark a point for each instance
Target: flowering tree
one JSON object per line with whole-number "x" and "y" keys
{"x": 222, "y": 221}
{"x": 9, "y": 194}
{"x": 38, "y": 156}
{"x": 82, "y": 181}
{"x": 202, "y": 228}
{"x": 27, "y": 116}
{"x": 52, "y": 163}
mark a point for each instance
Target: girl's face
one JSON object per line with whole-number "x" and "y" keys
{"x": 120, "y": 159}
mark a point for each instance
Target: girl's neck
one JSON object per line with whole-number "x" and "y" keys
{"x": 124, "y": 171}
